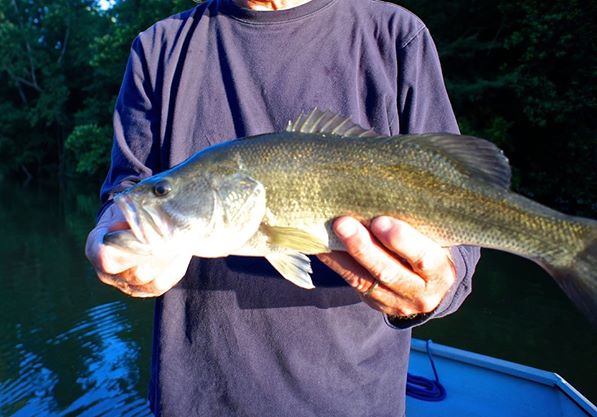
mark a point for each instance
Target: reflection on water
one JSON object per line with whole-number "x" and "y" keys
{"x": 106, "y": 385}
{"x": 70, "y": 346}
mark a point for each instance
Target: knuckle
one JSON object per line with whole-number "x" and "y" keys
{"x": 426, "y": 262}
{"x": 397, "y": 231}
{"x": 128, "y": 290}
{"x": 161, "y": 285}
{"x": 427, "y": 303}
{"x": 386, "y": 273}
{"x": 102, "y": 264}
{"x": 102, "y": 261}
{"x": 106, "y": 279}
{"x": 385, "y": 309}
{"x": 149, "y": 290}
{"x": 421, "y": 262}
{"x": 358, "y": 250}
{"x": 404, "y": 311}
{"x": 360, "y": 286}
{"x": 355, "y": 281}
{"x": 368, "y": 286}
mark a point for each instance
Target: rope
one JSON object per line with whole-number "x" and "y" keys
{"x": 423, "y": 388}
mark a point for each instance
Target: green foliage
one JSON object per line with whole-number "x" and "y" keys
{"x": 42, "y": 68}
{"x": 61, "y": 63}
{"x": 522, "y": 73}
{"x": 519, "y": 72}
{"x": 88, "y": 149}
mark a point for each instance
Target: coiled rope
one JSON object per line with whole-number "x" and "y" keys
{"x": 423, "y": 388}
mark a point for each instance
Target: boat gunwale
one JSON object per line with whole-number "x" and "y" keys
{"x": 540, "y": 376}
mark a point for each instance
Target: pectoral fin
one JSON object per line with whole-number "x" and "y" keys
{"x": 295, "y": 267}
{"x": 294, "y": 239}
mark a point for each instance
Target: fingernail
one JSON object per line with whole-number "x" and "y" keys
{"x": 346, "y": 228}
{"x": 383, "y": 224}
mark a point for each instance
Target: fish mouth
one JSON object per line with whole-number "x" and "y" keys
{"x": 146, "y": 223}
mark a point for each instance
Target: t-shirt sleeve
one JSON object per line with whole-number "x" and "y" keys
{"x": 423, "y": 103}
{"x": 424, "y": 107}
{"x": 135, "y": 147}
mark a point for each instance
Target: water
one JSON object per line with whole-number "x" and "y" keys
{"x": 70, "y": 346}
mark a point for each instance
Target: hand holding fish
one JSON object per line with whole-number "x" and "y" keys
{"x": 133, "y": 272}
{"x": 412, "y": 272}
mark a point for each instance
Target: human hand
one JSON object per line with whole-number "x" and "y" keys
{"x": 135, "y": 274}
{"x": 396, "y": 269}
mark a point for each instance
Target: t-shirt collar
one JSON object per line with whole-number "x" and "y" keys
{"x": 258, "y": 16}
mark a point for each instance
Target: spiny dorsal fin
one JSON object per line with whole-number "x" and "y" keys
{"x": 478, "y": 157}
{"x": 318, "y": 121}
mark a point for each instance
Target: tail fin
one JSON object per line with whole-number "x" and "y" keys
{"x": 578, "y": 275}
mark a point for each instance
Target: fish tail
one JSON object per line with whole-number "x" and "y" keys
{"x": 576, "y": 274}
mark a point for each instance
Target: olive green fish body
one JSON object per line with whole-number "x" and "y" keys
{"x": 275, "y": 195}
{"x": 312, "y": 179}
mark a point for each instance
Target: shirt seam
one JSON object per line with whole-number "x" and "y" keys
{"x": 404, "y": 9}
{"x": 413, "y": 37}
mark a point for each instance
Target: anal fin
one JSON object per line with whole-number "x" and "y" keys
{"x": 295, "y": 267}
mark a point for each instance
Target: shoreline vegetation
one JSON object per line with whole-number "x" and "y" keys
{"x": 519, "y": 73}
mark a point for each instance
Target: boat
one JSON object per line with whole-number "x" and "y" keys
{"x": 452, "y": 382}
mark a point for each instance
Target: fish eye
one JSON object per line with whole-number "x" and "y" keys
{"x": 162, "y": 188}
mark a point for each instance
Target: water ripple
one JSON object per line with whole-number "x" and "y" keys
{"x": 106, "y": 374}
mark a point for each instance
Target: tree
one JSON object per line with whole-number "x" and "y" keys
{"x": 91, "y": 139}
{"x": 521, "y": 73}
{"x": 61, "y": 62}
{"x": 43, "y": 63}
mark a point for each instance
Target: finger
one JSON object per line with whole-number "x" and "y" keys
{"x": 165, "y": 272}
{"x": 374, "y": 257}
{"x": 128, "y": 276}
{"x": 125, "y": 286}
{"x": 345, "y": 265}
{"x": 111, "y": 260}
{"x": 130, "y": 282}
{"x": 379, "y": 296}
{"x": 155, "y": 283}
{"x": 426, "y": 257}
{"x": 106, "y": 258}
{"x": 389, "y": 302}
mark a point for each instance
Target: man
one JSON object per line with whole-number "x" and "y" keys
{"x": 231, "y": 337}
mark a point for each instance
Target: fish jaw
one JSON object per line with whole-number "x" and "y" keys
{"x": 146, "y": 224}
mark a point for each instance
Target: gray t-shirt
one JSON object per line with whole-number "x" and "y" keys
{"x": 233, "y": 338}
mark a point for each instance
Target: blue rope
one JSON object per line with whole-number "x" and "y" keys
{"x": 423, "y": 388}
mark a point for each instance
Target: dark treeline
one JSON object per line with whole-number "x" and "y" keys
{"x": 519, "y": 72}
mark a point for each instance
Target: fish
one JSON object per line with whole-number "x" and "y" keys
{"x": 276, "y": 196}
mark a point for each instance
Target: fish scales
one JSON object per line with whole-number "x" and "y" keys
{"x": 275, "y": 195}
{"x": 298, "y": 169}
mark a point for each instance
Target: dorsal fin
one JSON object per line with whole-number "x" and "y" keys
{"x": 478, "y": 157}
{"x": 318, "y": 121}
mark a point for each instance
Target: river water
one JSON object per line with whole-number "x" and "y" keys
{"x": 70, "y": 346}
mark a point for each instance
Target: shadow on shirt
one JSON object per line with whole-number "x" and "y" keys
{"x": 257, "y": 284}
